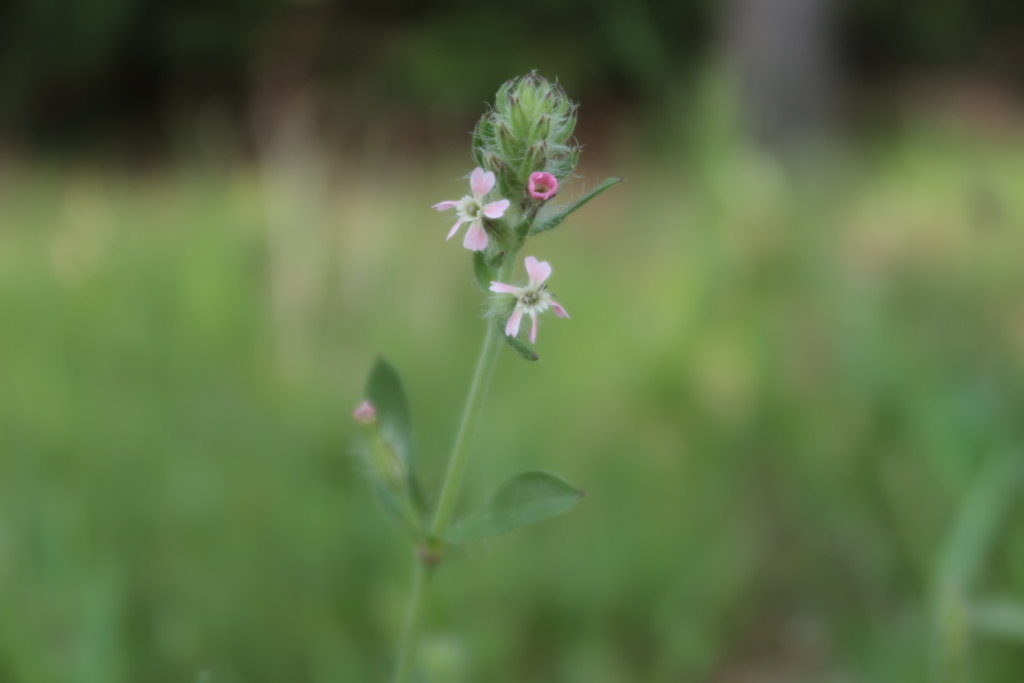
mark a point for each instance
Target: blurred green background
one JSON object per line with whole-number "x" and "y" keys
{"x": 791, "y": 385}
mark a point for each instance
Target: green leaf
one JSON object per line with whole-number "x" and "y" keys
{"x": 999, "y": 617}
{"x": 524, "y": 499}
{"x": 552, "y": 221}
{"x": 525, "y": 350}
{"x": 385, "y": 392}
{"x": 484, "y": 273}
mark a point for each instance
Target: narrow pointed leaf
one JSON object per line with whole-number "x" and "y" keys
{"x": 550, "y": 222}
{"x": 483, "y": 272}
{"x": 385, "y": 391}
{"x": 524, "y": 499}
{"x": 524, "y": 349}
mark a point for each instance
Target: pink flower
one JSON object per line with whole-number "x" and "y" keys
{"x": 542, "y": 185}
{"x": 365, "y": 413}
{"x": 472, "y": 208}
{"x": 534, "y": 298}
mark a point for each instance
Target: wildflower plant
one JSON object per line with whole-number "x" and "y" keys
{"x": 524, "y": 149}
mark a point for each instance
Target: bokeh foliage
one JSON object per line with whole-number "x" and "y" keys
{"x": 780, "y": 391}
{"x": 68, "y": 66}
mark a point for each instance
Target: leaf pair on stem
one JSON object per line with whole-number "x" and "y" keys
{"x": 524, "y": 499}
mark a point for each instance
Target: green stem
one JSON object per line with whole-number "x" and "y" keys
{"x": 413, "y": 620}
{"x": 452, "y": 482}
{"x": 474, "y": 403}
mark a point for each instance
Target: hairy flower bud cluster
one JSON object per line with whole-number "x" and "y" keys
{"x": 524, "y": 148}
{"x": 528, "y": 131}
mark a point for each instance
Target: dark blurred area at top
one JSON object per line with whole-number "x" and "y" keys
{"x": 74, "y": 73}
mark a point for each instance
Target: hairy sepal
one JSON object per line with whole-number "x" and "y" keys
{"x": 524, "y": 349}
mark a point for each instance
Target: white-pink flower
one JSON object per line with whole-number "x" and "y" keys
{"x": 533, "y": 299}
{"x": 471, "y": 208}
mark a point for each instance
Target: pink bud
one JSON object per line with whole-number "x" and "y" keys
{"x": 542, "y": 185}
{"x": 365, "y": 413}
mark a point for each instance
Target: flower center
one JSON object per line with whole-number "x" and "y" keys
{"x": 470, "y": 209}
{"x": 536, "y": 300}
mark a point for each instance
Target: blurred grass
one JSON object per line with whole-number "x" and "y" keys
{"x": 778, "y": 389}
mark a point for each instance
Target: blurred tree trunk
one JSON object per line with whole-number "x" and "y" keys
{"x": 785, "y": 57}
{"x": 287, "y": 122}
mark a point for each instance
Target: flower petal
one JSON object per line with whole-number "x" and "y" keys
{"x": 496, "y": 209}
{"x": 442, "y": 206}
{"x": 533, "y": 330}
{"x": 502, "y": 288}
{"x": 455, "y": 227}
{"x": 481, "y": 182}
{"x": 539, "y": 271}
{"x": 476, "y": 238}
{"x": 559, "y": 311}
{"x": 512, "y": 328}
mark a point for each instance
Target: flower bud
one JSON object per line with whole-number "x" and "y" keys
{"x": 365, "y": 414}
{"x": 490, "y": 162}
{"x": 562, "y": 134}
{"x": 541, "y": 128}
{"x": 483, "y": 131}
{"x": 529, "y": 130}
{"x": 536, "y": 158}
{"x": 505, "y": 140}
